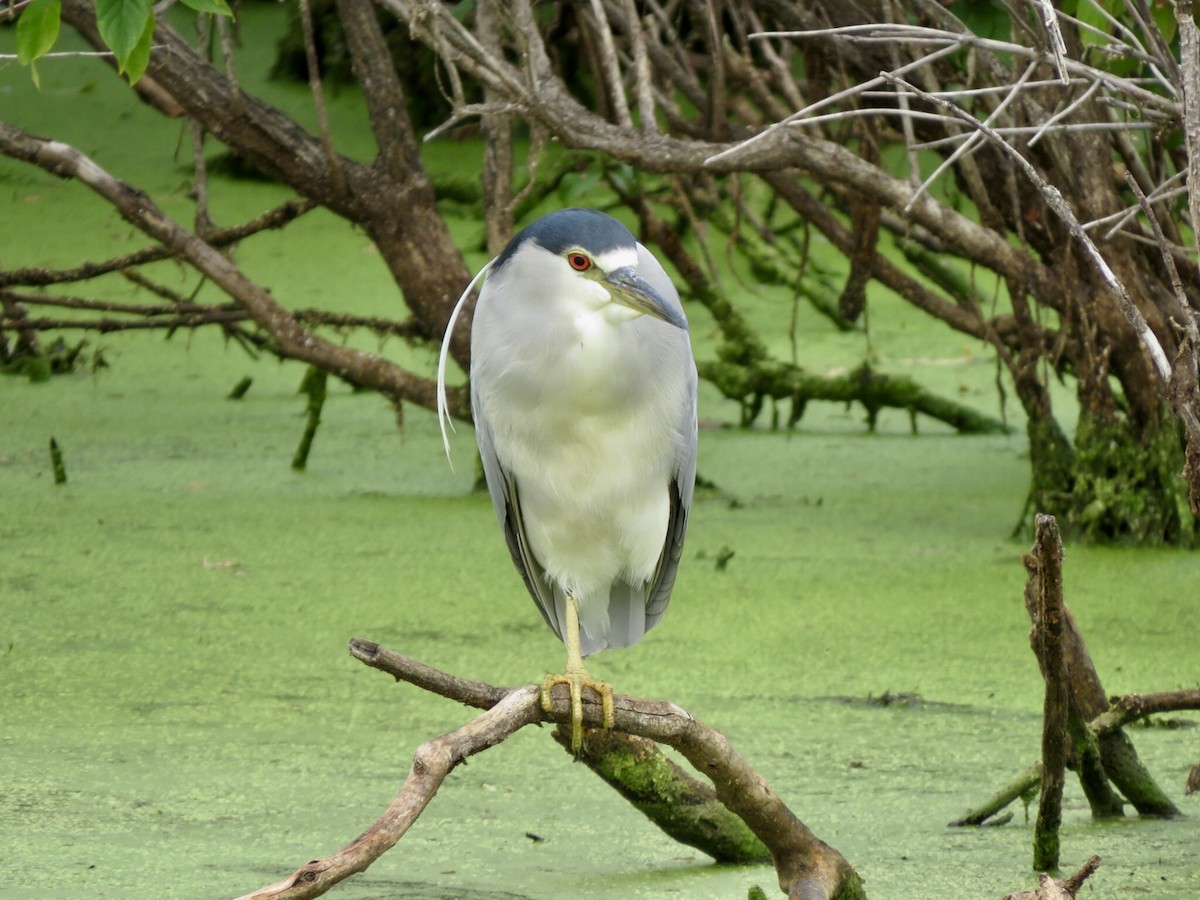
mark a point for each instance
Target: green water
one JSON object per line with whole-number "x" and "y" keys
{"x": 179, "y": 716}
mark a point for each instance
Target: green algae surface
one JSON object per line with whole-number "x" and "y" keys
{"x": 179, "y": 716}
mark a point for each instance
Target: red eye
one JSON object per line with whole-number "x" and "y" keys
{"x": 579, "y": 262}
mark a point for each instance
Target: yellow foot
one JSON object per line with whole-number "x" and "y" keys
{"x": 576, "y": 682}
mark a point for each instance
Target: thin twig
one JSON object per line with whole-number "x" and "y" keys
{"x": 221, "y": 237}
{"x": 288, "y": 336}
{"x": 314, "y": 83}
{"x": 973, "y": 139}
{"x": 609, "y": 65}
{"x": 1189, "y": 323}
{"x": 1132, "y": 707}
{"x": 641, "y": 66}
{"x": 64, "y": 54}
{"x": 1057, "y": 45}
{"x": 1189, "y": 53}
{"x": 1054, "y": 199}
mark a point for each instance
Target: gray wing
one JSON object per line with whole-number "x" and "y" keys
{"x": 682, "y": 486}
{"x": 683, "y": 481}
{"x": 507, "y": 503}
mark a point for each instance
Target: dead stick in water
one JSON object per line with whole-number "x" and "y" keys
{"x": 314, "y": 386}
{"x": 56, "y": 463}
{"x": 1047, "y": 641}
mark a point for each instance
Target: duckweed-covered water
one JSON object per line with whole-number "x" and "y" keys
{"x": 179, "y": 716}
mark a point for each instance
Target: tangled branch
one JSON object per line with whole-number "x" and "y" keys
{"x": 287, "y": 335}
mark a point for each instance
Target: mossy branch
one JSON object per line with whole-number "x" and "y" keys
{"x": 806, "y": 866}
{"x": 874, "y": 390}
{"x": 1044, "y": 592}
{"x": 683, "y": 807}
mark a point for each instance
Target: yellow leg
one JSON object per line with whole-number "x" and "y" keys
{"x": 576, "y": 678}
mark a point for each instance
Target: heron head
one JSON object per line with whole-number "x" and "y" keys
{"x": 585, "y": 256}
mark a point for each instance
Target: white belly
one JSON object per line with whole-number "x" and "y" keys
{"x": 589, "y": 431}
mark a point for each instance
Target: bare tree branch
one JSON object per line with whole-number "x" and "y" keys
{"x": 288, "y": 336}
{"x": 218, "y": 237}
{"x": 432, "y": 762}
{"x": 807, "y": 867}
{"x": 392, "y": 201}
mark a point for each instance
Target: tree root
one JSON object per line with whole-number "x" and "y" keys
{"x": 806, "y": 867}
{"x": 1102, "y": 755}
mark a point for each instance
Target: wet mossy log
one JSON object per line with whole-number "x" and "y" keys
{"x": 806, "y": 867}
{"x": 685, "y": 808}
{"x": 753, "y": 383}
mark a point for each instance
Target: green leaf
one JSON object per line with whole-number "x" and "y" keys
{"x": 37, "y": 29}
{"x": 139, "y": 57}
{"x": 219, "y": 7}
{"x": 1164, "y": 17}
{"x": 122, "y": 25}
{"x": 986, "y": 18}
{"x": 1090, "y": 15}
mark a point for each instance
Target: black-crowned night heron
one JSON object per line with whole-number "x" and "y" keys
{"x": 583, "y": 389}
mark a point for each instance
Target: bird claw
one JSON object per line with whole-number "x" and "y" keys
{"x": 575, "y": 683}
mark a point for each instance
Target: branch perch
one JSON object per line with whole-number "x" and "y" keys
{"x": 807, "y": 867}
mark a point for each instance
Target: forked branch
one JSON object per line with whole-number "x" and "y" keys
{"x": 806, "y": 866}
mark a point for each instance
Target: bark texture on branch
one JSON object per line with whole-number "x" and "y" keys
{"x": 807, "y": 867}
{"x": 1099, "y": 752}
{"x": 432, "y": 762}
{"x": 1118, "y": 759}
{"x": 1020, "y": 148}
{"x": 1045, "y": 583}
{"x": 1121, "y": 712}
{"x": 685, "y": 808}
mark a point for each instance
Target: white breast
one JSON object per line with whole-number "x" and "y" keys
{"x": 582, "y": 417}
